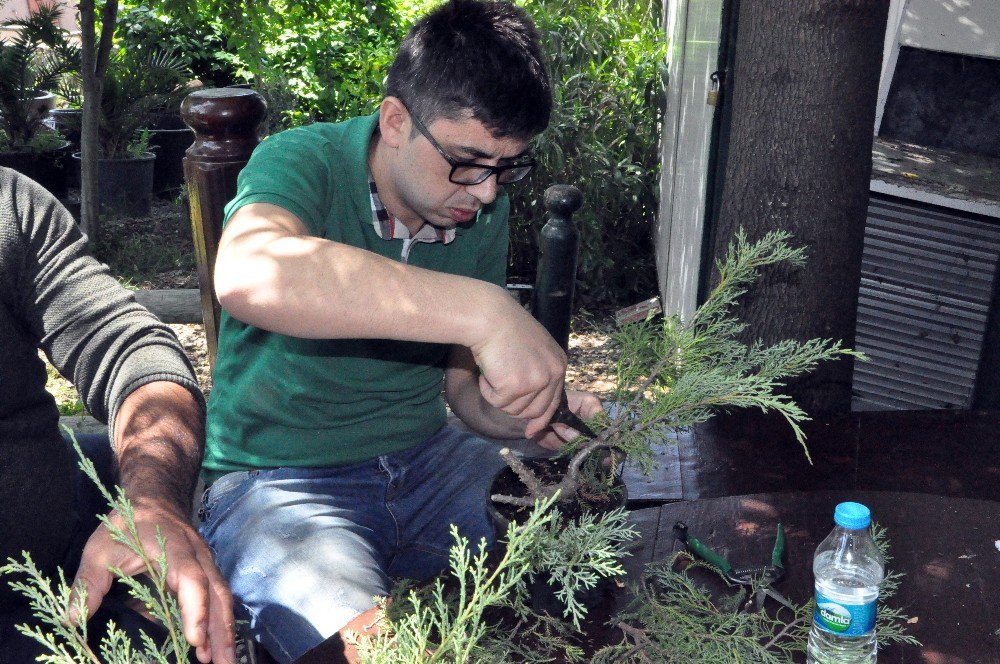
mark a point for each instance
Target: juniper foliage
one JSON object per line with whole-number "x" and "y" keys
{"x": 673, "y": 373}
{"x": 62, "y": 610}
{"x": 674, "y": 618}
{"x": 448, "y": 621}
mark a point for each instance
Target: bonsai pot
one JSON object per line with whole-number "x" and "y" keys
{"x": 47, "y": 168}
{"x": 169, "y": 138}
{"x": 542, "y": 594}
{"x": 125, "y": 184}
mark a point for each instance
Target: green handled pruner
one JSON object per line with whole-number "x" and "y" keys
{"x": 760, "y": 577}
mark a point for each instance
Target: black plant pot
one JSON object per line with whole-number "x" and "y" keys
{"x": 542, "y": 594}
{"x": 125, "y": 186}
{"x": 48, "y": 168}
{"x": 169, "y": 146}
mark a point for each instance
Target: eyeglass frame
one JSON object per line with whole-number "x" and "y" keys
{"x": 456, "y": 164}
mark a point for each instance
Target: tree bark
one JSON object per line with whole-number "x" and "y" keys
{"x": 803, "y": 89}
{"x": 95, "y": 52}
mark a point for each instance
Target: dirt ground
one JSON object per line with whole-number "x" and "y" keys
{"x": 591, "y": 356}
{"x": 157, "y": 252}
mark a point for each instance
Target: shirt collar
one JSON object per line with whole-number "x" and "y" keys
{"x": 388, "y": 227}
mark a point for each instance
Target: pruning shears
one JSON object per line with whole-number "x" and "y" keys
{"x": 757, "y": 577}
{"x": 564, "y": 415}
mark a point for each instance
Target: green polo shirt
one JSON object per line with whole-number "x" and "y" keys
{"x": 281, "y": 401}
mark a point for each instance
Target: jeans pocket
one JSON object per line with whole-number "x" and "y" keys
{"x": 220, "y": 489}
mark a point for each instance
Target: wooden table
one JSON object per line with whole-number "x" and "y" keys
{"x": 947, "y": 547}
{"x": 943, "y": 537}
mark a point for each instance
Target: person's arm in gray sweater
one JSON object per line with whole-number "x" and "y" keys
{"x": 130, "y": 371}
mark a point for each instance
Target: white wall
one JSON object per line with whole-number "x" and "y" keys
{"x": 21, "y": 8}
{"x": 969, "y": 27}
{"x": 693, "y": 29}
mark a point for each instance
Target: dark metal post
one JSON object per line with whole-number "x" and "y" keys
{"x": 558, "y": 244}
{"x": 226, "y": 123}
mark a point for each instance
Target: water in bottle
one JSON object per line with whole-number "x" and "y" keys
{"x": 848, "y": 569}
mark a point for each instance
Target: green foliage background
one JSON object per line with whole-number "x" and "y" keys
{"x": 325, "y": 60}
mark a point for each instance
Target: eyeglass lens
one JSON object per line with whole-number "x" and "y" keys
{"x": 472, "y": 174}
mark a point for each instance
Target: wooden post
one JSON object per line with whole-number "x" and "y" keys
{"x": 226, "y": 124}
{"x": 558, "y": 244}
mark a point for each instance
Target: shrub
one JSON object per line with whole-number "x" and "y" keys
{"x": 607, "y": 63}
{"x": 197, "y": 37}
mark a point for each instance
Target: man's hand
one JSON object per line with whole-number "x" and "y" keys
{"x": 523, "y": 368}
{"x": 584, "y": 404}
{"x": 204, "y": 598}
{"x": 159, "y": 434}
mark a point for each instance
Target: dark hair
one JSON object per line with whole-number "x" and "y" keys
{"x": 474, "y": 56}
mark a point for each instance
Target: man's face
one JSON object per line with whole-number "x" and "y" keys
{"x": 421, "y": 174}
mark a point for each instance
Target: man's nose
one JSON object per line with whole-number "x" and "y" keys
{"x": 486, "y": 190}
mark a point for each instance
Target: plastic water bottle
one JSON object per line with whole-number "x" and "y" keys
{"x": 848, "y": 569}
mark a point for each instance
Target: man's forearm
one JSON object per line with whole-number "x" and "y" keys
{"x": 160, "y": 434}
{"x": 272, "y": 274}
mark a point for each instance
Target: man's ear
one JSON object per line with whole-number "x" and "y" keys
{"x": 393, "y": 122}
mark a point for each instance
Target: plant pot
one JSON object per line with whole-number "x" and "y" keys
{"x": 541, "y": 594}
{"x": 48, "y": 168}
{"x": 41, "y": 104}
{"x": 68, "y": 121}
{"x": 125, "y": 185}
{"x": 170, "y": 145}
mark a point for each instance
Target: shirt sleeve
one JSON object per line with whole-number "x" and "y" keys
{"x": 88, "y": 325}
{"x": 288, "y": 170}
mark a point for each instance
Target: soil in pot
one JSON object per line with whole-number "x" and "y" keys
{"x": 542, "y": 594}
{"x": 549, "y": 470}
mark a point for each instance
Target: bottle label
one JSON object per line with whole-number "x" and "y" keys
{"x": 844, "y": 619}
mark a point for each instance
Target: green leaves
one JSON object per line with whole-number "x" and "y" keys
{"x": 676, "y": 373}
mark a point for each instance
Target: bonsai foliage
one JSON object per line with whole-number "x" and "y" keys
{"x": 674, "y": 374}
{"x": 451, "y": 619}
{"x": 62, "y": 613}
{"x": 32, "y": 62}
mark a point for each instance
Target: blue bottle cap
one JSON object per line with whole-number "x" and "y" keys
{"x": 852, "y": 516}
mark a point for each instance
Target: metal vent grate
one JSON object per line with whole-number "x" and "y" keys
{"x": 926, "y": 281}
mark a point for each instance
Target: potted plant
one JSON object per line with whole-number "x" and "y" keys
{"x": 32, "y": 63}
{"x": 136, "y": 89}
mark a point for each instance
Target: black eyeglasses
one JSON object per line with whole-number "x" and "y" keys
{"x": 469, "y": 172}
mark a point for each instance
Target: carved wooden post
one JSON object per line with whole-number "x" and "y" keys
{"x": 558, "y": 245}
{"x": 226, "y": 124}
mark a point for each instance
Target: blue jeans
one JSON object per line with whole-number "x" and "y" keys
{"x": 305, "y": 550}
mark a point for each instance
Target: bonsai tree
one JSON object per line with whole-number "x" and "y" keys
{"x": 674, "y": 374}
{"x": 32, "y": 63}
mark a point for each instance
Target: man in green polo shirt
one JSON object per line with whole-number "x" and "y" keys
{"x": 361, "y": 268}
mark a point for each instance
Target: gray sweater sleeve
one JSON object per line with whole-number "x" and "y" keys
{"x": 91, "y": 328}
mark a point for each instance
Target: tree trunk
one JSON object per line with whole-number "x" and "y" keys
{"x": 803, "y": 87}
{"x": 95, "y": 51}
